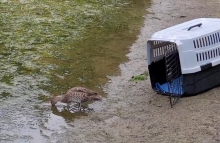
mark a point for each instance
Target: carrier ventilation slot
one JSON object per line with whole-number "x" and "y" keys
{"x": 207, "y": 40}
{"x": 159, "y": 51}
{"x": 208, "y": 55}
{"x": 157, "y": 42}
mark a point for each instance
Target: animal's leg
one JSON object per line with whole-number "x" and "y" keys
{"x": 80, "y": 106}
{"x": 68, "y": 105}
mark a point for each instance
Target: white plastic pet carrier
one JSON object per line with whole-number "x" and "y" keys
{"x": 184, "y": 59}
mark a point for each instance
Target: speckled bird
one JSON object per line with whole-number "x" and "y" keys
{"x": 76, "y": 94}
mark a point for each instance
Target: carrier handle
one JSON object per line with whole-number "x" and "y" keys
{"x": 197, "y": 25}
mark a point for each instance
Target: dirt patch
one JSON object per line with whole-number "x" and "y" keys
{"x": 132, "y": 112}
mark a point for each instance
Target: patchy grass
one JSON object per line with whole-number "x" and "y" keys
{"x": 73, "y": 39}
{"x": 140, "y": 77}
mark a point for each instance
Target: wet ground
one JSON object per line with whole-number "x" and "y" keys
{"x": 132, "y": 112}
{"x": 47, "y": 47}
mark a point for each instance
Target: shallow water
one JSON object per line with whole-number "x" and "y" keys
{"x": 47, "y": 47}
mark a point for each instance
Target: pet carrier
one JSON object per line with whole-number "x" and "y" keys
{"x": 185, "y": 59}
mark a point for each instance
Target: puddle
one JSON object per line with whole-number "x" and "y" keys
{"x": 47, "y": 47}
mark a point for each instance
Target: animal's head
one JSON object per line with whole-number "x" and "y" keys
{"x": 95, "y": 97}
{"x": 54, "y": 100}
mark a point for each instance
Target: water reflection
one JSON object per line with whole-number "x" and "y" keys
{"x": 47, "y": 47}
{"x": 68, "y": 113}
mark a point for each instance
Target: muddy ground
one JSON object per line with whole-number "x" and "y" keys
{"x": 132, "y": 112}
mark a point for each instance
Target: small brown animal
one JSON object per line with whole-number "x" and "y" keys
{"x": 76, "y": 94}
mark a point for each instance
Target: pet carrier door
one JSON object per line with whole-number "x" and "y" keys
{"x": 173, "y": 73}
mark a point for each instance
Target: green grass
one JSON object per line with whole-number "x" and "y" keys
{"x": 140, "y": 77}
{"x": 80, "y": 40}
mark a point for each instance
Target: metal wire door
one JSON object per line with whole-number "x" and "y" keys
{"x": 173, "y": 74}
